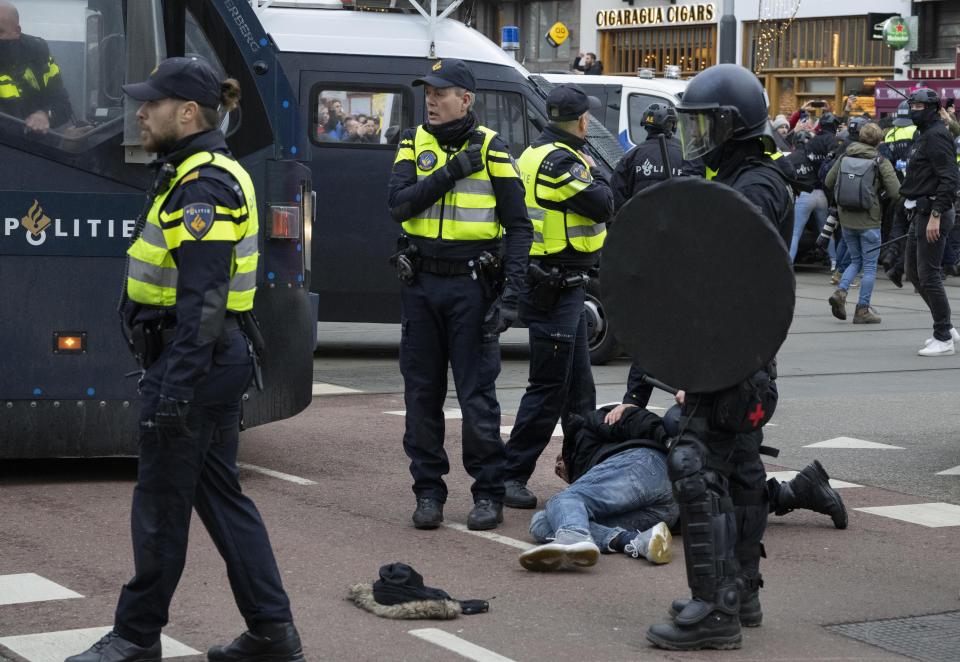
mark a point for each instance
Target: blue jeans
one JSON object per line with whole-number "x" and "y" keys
{"x": 629, "y": 491}
{"x": 843, "y": 254}
{"x": 814, "y": 202}
{"x": 863, "y": 247}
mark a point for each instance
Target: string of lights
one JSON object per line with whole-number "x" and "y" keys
{"x": 774, "y": 18}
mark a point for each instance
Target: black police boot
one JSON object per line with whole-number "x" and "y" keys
{"x": 486, "y": 514}
{"x": 751, "y": 614}
{"x": 518, "y": 495}
{"x": 429, "y": 513}
{"x": 895, "y": 276}
{"x": 701, "y": 625}
{"x": 114, "y": 648}
{"x": 811, "y": 489}
{"x": 267, "y": 642}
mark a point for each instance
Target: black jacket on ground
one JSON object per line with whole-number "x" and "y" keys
{"x": 590, "y": 441}
{"x": 933, "y": 167}
{"x": 595, "y": 202}
{"x": 405, "y": 190}
{"x": 642, "y": 167}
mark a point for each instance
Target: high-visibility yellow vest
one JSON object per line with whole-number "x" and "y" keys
{"x": 469, "y": 210}
{"x": 12, "y": 89}
{"x": 152, "y": 273}
{"x": 898, "y": 133}
{"x": 553, "y": 229}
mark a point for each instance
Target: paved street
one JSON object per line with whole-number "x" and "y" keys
{"x": 333, "y": 487}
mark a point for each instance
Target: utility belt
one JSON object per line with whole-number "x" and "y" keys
{"x": 919, "y": 207}
{"x": 547, "y": 282}
{"x": 151, "y": 337}
{"x": 486, "y": 268}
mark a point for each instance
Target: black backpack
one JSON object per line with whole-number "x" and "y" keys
{"x": 856, "y": 185}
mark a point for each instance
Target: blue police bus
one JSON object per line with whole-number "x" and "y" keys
{"x": 72, "y": 182}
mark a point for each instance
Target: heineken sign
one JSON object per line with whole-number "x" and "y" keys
{"x": 896, "y": 32}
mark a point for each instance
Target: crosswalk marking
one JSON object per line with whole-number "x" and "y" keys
{"x": 784, "y": 476}
{"x": 447, "y": 413}
{"x": 850, "y": 442}
{"x": 30, "y": 587}
{"x": 55, "y": 646}
{"x": 557, "y": 431}
{"x": 950, "y": 472}
{"x": 489, "y": 535}
{"x": 276, "y": 474}
{"x": 459, "y": 646}
{"x": 322, "y": 388}
{"x": 932, "y": 515}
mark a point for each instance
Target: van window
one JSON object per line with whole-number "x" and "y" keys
{"x": 67, "y": 97}
{"x": 358, "y": 116}
{"x": 504, "y": 113}
{"x": 636, "y": 105}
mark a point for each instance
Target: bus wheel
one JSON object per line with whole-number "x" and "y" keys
{"x": 600, "y": 339}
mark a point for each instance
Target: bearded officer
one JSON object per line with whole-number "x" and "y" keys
{"x": 719, "y": 480}
{"x": 643, "y": 165}
{"x": 568, "y": 199}
{"x": 456, "y": 190}
{"x": 191, "y": 282}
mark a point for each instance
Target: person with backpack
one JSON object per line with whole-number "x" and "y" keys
{"x": 856, "y": 179}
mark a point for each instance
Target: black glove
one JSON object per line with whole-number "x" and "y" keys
{"x": 508, "y": 310}
{"x": 171, "y": 417}
{"x": 466, "y": 163}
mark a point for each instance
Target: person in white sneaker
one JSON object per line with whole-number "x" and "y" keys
{"x": 620, "y": 499}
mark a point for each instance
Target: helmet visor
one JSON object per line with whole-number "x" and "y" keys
{"x": 698, "y": 132}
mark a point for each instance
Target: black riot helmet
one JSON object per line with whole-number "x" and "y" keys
{"x": 854, "y": 125}
{"x": 723, "y": 102}
{"x": 829, "y": 123}
{"x": 902, "y": 116}
{"x": 659, "y": 118}
{"x": 924, "y": 95}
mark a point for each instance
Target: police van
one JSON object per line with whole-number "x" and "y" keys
{"x": 623, "y": 100}
{"x": 353, "y": 72}
{"x": 70, "y": 195}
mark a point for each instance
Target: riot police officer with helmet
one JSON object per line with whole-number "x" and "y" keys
{"x": 643, "y": 165}
{"x": 455, "y": 190}
{"x": 718, "y": 477}
{"x": 568, "y": 199}
{"x": 188, "y": 297}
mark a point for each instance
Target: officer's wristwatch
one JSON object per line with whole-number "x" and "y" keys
{"x": 935, "y": 213}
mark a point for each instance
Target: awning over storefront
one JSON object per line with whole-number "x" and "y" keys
{"x": 887, "y": 99}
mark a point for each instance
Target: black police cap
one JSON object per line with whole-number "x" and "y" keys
{"x": 449, "y": 73}
{"x": 187, "y": 78}
{"x": 926, "y": 96}
{"x": 568, "y": 102}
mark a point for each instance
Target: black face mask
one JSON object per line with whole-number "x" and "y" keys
{"x": 9, "y": 50}
{"x": 928, "y": 115}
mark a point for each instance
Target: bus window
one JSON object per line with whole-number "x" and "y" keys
{"x": 636, "y": 105}
{"x": 60, "y": 81}
{"x": 357, "y": 116}
{"x": 504, "y": 113}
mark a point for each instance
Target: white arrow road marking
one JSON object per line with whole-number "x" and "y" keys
{"x": 850, "y": 442}
{"x": 459, "y": 646}
{"x": 29, "y": 587}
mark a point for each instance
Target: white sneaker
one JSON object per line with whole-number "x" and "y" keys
{"x": 938, "y": 348}
{"x": 652, "y": 544}
{"x": 565, "y": 551}
{"x": 953, "y": 334}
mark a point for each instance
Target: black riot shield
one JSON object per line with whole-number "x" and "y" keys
{"x": 697, "y": 284}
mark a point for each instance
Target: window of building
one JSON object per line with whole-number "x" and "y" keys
{"x": 818, "y": 43}
{"x": 358, "y": 115}
{"x": 540, "y": 17}
{"x": 692, "y": 48}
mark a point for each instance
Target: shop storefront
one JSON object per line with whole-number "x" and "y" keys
{"x": 652, "y": 35}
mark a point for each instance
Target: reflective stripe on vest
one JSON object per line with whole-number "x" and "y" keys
{"x": 469, "y": 210}
{"x": 554, "y": 230}
{"x": 152, "y": 273}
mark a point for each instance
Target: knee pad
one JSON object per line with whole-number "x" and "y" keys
{"x": 685, "y": 468}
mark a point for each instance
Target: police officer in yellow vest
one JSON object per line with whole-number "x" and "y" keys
{"x": 457, "y": 193}
{"x": 31, "y": 86}
{"x": 192, "y": 274}
{"x": 569, "y": 200}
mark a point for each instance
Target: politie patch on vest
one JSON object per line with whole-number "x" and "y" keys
{"x": 581, "y": 173}
{"x": 198, "y": 219}
{"x": 426, "y": 160}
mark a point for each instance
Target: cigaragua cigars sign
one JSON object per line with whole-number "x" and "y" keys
{"x": 645, "y": 17}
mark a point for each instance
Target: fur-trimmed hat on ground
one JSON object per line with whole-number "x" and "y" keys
{"x": 400, "y": 593}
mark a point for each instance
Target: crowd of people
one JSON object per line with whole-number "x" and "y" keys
{"x": 334, "y": 124}
{"x": 855, "y": 172}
